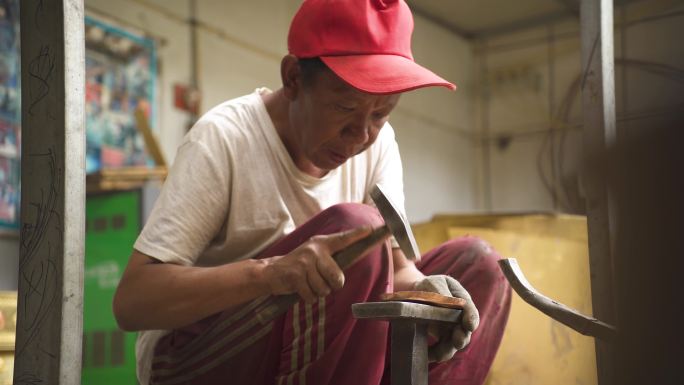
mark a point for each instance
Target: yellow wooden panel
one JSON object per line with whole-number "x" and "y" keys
{"x": 570, "y": 227}
{"x": 554, "y": 257}
{"x": 429, "y": 235}
{"x": 6, "y": 367}
{"x": 8, "y": 327}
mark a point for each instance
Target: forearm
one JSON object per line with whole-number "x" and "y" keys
{"x": 406, "y": 274}
{"x": 166, "y": 296}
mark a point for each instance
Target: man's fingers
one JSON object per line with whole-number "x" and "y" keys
{"x": 471, "y": 316}
{"x": 305, "y": 291}
{"x": 460, "y": 338}
{"x": 318, "y": 285}
{"x": 441, "y": 351}
{"x": 470, "y": 319}
{"x": 330, "y": 271}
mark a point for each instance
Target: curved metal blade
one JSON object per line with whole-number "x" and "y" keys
{"x": 581, "y": 323}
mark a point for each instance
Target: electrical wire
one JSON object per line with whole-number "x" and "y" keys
{"x": 572, "y": 201}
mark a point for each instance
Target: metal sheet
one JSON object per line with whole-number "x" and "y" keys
{"x": 415, "y": 312}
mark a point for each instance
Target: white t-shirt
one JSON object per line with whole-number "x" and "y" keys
{"x": 233, "y": 190}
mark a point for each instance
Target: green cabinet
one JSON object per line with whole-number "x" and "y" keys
{"x": 113, "y": 221}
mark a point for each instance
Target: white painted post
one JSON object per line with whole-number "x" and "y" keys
{"x": 50, "y": 303}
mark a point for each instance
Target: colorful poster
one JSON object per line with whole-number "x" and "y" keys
{"x": 10, "y": 115}
{"x": 9, "y": 192}
{"x": 120, "y": 77}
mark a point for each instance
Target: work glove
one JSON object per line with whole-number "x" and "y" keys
{"x": 451, "y": 337}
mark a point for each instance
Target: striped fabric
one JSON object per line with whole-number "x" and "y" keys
{"x": 226, "y": 338}
{"x": 321, "y": 343}
{"x": 308, "y": 343}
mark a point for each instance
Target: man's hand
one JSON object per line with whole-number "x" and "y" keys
{"x": 451, "y": 337}
{"x": 310, "y": 269}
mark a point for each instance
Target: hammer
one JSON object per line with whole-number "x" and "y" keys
{"x": 395, "y": 224}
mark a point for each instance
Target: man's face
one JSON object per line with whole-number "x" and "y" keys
{"x": 332, "y": 121}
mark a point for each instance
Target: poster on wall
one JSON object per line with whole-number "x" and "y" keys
{"x": 10, "y": 115}
{"x": 120, "y": 78}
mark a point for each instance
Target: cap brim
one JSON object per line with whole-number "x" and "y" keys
{"x": 383, "y": 74}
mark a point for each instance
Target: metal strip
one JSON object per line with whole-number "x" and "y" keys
{"x": 598, "y": 97}
{"x": 409, "y": 356}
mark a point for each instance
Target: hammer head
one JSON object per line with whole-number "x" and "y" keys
{"x": 397, "y": 224}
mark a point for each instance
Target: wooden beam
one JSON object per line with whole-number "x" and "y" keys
{"x": 50, "y": 303}
{"x": 598, "y": 102}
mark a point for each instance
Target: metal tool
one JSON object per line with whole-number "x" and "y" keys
{"x": 395, "y": 224}
{"x": 581, "y": 323}
{"x": 409, "y": 327}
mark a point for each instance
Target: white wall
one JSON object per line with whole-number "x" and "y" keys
{"x": 528, "y": 75}
{"x": 525, "y": 85}
{"x": 240, "y": 47}
{"x": 435, "y": 128}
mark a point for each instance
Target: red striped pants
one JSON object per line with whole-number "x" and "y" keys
{"x": 321, "y": 343}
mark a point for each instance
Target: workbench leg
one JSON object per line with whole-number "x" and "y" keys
{"x": 409, "y": 353}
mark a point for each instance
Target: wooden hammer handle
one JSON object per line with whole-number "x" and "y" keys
{"x": 278, "y": 305}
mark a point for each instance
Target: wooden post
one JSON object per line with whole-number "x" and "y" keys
{"x": 598, "y": 101}
{"x": 50, "y": 303}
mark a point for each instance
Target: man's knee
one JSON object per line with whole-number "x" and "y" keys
{"x": 353, "y": 215}
{"x": 477, "y": 262}
{"x": 476, "y": 254}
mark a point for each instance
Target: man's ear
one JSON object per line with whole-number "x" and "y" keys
{"x": 291, "y": 75}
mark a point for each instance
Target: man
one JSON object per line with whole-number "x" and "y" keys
{"x": 264, "y": 190}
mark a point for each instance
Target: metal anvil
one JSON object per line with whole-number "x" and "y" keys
{"x": 409, "y": 340}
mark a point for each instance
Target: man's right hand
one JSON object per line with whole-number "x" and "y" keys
{"x": 310, "y": 269}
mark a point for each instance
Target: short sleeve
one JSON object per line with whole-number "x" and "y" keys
{"x": 192, "y": 205}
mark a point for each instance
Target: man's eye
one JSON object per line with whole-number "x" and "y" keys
{"x": 342, "y": 108}
{"x": 379, "y": 116}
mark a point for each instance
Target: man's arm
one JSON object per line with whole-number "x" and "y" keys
{"x": 155, "y": 295}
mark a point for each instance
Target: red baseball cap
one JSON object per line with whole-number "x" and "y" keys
{"x": 367, "y": 43}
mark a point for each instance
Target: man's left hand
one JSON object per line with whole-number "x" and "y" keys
{"x": 451, "y": 337}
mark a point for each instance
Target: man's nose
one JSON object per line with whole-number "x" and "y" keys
{"x": 358, "y": 130}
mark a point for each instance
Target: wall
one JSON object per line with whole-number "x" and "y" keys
{"x": 240, "y": 45}
{"x": 530, "y": 107}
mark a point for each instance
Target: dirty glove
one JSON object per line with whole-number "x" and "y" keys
{"x": 451, "y": 337}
